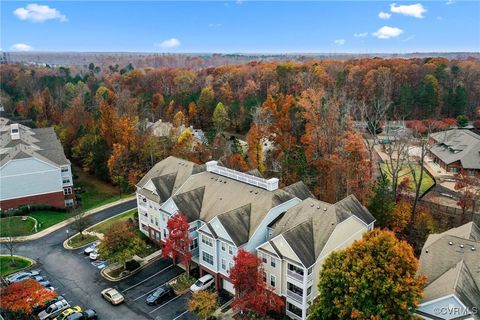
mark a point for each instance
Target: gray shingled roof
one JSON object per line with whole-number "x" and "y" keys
{"x": 230, "y": 200}
{"x": 451, "y": 268}
{"x": 308, "y": 225}
{"x": 300, "y": 190}
{"x": 167, "y": 176}
{"x": 458, "y": 145}
{"x": 41, "y": 143}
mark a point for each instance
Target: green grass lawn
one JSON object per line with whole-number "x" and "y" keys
{"x": 77, "y": 241}
{"x": 49, "y": 218}
{"x": 427, "y": 180}
{"x": 105, "y": 225}
{"x": 6, "y": 266}
{"x": 15, "y": 226}
{"x": 96, "y": 192}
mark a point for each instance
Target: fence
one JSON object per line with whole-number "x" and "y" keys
{"x": 449, "y": 217}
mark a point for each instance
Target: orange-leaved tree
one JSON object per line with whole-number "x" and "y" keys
{"x": 22, "y": 296}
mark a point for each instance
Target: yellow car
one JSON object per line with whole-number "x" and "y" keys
{"x": 68, "y": 312}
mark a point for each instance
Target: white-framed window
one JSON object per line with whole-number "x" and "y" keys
{"x": 156, "y": 221}
{"x": 230, "y": 266}
{"x": 264, "y": 257}
{"x": 224, "y": 264}
{"x": 224, "y": 246}
{"x": 164, "y": 233}
{"x": 264, "y": 277}
{"x": 69, "y": 203}
{"x": 208, "y": 258}
{"x": 194, "y": 244}
{"x": 230, "y": 250}
{"x": 151, "y": 219}
{"x": 273, "y": 280}
{"x": 273, "y": 262}
{"x": 66, "y": 180}
{"x": 207, "y": 240}
{"x": 193, "y": 229}
{"x": 67, "y": 191}
{"x": 453, "y": 169}
{"x": 64, "y": 169}
{"x": 144, "y": 227}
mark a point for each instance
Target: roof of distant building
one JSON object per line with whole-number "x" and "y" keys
{"x": 458, "y": 145}
{"x": 41, "y": 143}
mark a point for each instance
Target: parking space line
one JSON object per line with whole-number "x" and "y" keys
{"x": 180, "y": 315}
{"x": 143, "y": 295}
{"x": 153, "y": 275}
{"x": 165, "y": 303}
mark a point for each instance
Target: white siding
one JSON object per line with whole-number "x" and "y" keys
{"x": 30, "y": 176}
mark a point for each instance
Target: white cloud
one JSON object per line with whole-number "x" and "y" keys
{"x": 409, "y": 38}
{"x": 169, "y": 43}
{"x": 384, "y": 15}
{"x": 39, "y": 13}
{"x": 21, "y": 47}
{"x": 449, "y": 2}
{"x": 360, "y": 34}
{"x": 387, "y": 32}
{"x": 339, "y": 42}
{"x": 413, "y": 10}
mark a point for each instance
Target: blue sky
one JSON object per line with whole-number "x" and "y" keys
{"x": 241, "y": 26}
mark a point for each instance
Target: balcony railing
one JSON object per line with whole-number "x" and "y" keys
{"x": 294, "y": 296}
{"x": 295, "y": 275}
{"x": 310, "y": 277}
{"x": 293, "y": 315}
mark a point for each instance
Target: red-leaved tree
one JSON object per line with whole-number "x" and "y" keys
{"x": 178, "y": 241}
{"x": 251, "y": 291}
{"x": 468, "y": 187}
{"x": 22, "y": 296}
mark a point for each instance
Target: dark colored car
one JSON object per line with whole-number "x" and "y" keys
{"x": 88, "y": 314}
{"x": 38, "y": 309}
{"x": 160, "y": 294}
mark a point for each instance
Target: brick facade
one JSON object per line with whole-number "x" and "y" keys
{"x": 55, "y": 199}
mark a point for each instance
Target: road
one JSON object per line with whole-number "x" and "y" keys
{"x": 74, "y": 277}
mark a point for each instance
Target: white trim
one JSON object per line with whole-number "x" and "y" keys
{"x": 34, "y": 194}
{"x": 29, "y": 173}
{"x": 440, "y": 299}
{"x": 51, "y": 163}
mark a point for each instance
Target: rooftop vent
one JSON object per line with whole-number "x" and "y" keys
{"x": 311, "y": 205}
{"x": 461, "y": 246}
{"x": 473, "y": 248}
{"x": 324, "y": 209}
{"x": 450, "y": 242}
{"x": 426, "y": 250}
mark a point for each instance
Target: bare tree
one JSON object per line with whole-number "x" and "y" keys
{"x": 372, "y": 116}
{"x": 396, "y": 150}
{"x": 10, "y": 243}
{"x": 80, "y": 223}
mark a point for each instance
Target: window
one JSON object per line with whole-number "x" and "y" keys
{"x": 273, "y": 280}
{"x": 164, "y": 233}
{"x": 207, "y": 240}
{"x": 230, "y": 266}
{"x": 64, "y": 169}
{"x": 224, "y": 264}
{"x": 264, "y": 258}
{"x": 194, "y": 244}
{"x": 156, "y": 221}
{"x": 157, "y": 236}
{"x": 273, "y": 262}
{"x": 208, "y": 258}
{"x": 224, "y": 246}
{"x": 144, "y": 227}
{"x": 294, "y": 289}
{"x": 294, "y": 309}
{"x": 66, "y": 180}
{"x": 69, "y": 202}
{"x": 151, "y": 219}
{"x": 453, "y": 169}
{"x": 67, "y": 191}
{"x": 264, "y": 277}
{"x": 230, "y": 250}
{"x": 309, "y": 290}
{"x": 193, "y": 229}
{"x": 296, "y": 269}
{"x": 163, "y": 217}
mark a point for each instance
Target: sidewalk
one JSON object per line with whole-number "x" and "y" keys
{"x": 64, "y": 223}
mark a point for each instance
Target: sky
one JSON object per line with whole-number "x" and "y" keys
{"x": 241, "y": 26}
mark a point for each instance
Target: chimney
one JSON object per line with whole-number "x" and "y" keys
{"x": 14, "y": 131}
{"x": 212, "y": 165}
{"x": 272, "y": 184}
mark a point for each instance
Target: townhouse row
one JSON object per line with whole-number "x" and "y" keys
{"x": 290, "y": 230}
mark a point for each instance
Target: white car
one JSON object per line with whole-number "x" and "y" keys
{"x": 203, "y": 283}
{"x": 22, "y": 275}
{"x": 54, "y": 309}
{"x": 94, "y": 255}
{"x": 91, "y": 247}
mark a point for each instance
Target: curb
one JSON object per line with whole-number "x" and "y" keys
{"x": 33, "y": 263}
{"x": 64, "y": 223}
{"x": 109, "y": 278}
{"x": 65, "y": 244}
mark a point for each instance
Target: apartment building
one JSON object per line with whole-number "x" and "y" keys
{"x": 227, "y": 210}
{"x": 451, "y": 262}
{"x": 33, "y": 168}
{"x": 156, "y": 187}
{"x": 298, "y": 242}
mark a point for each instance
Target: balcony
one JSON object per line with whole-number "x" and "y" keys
{"x": 292, "y": 315}
{"x": 295, "y": 275}
{"x": 294, "y": 296}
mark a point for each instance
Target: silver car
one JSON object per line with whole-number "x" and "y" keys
{"x": 54, "y": 309}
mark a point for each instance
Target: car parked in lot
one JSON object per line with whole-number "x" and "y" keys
{"x": 112, "y": 296}
{"x": 203, "y": 283}
{"x": 94, "y": 255}
{"x": 54, "y": 309}
{"x": 37, "y": 278}
{"x": 22, "y": 275}
{"x": 160, "y": 294}
{"x": 38, "y": 308}
{"x": 65, "y": 313}
{"x": 91, "y": 247}
{"x": 88, "y": 314}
